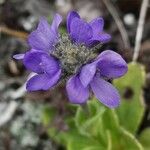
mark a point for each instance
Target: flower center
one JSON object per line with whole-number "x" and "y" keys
{"x": 72, "y": 56}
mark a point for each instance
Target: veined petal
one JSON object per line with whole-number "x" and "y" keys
{"x": 105, "y": 92}
{"x": 32, "y": 61}
{"x": 42, "y": 81}
{"x": 40, "y": 62}
{"x": 55, "y": 24}
{"x": 87, "y": 73}
{"x": 111, "y": 64}
{"x": 18, "y": 56}
{"x": 80, "y": 31}
{"x": 43, "y": 25}
{"x": 98, "y": 38}
{"x": 103, "y": 37}
{"x": 45, "y": 36}
{"x": 71, "y": 15}
{"x": 40, "y": 39}
{"x": 49, "y": 64}
{"x": 97, "y": 25}
{"x": 77, "y": 93}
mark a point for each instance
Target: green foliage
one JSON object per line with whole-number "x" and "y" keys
{"x": 96, "y": 127}
{"x": 145, "y": 139}
{"x": 131, "y": 110}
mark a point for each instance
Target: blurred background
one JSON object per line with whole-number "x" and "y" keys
{"x": 21, "y": 113}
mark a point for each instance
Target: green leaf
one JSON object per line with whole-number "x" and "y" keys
{"x": 83, "y": 143}
{"x": 88, "y": 111}
{"x": 120, "y": 138}
{"x": 145, "y": 138}
{"x": 127, "y": 141}
{"x": 95, "y": 127}
{"x": 110, "y": 120}
{"x": 89, "y": 119}
{"x": 131, "y": 110}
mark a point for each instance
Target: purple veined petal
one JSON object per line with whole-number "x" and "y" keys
{"x": 44, "y": 38}
{"x": 77, "y": 93}
{"x": 105, "y": 92}
{"x": 87, "y": 73}
{"x": 97, "y": 25}
{"x": 103, "y": 37}
{"x": 42, "y": 82}
{"x": 96, "y": 39}
{"x": 49, "y": 64}
{"x": 111, "y": 64}
{"x": 32, "y": 61}
{"x": 19, "y": 56}
{"x": 99, "y": 36}
{"x": 43, "y": 25}
{"x": 80, "y": 31}
{"x": 71, "y": 15}
{"x": 38, "y": 39}
{"x": 55, "y": 24}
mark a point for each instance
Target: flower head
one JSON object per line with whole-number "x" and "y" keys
{"x": 108, "y": 65}
{"x": 73, "y": 57}
{"x": 38, "y": 60}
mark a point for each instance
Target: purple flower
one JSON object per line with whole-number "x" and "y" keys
{"x": 54, "y": 58}
{"x": 108, "y": 65}
{"x": 47, "y": 69}
{"x": 88, "y": 33}
{"x": 38, "y": 60}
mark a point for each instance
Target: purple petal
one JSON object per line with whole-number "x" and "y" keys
{"x": 40, "y": 62}
{"x": 80, "y": 31}
{"x": 111, "y": 64}
{"x": 32, "y": 61}
{"x": 70, "y": 17}
{"x": 103, "y": 37}
{"x": 105, "y": 92}
{"x": 40, "y": 38}
{"x": 45, "y": 37}
{"x": 87, "y": 73}
{"x": 55, "y": 24}
{"x": 98, "y": 34}
{"x": 43, "y": 25}
{"x": 42, "y": 81}
{"x": 99, "y": 38}
{"x": 49, "y": 64}
{"x": 76, "y": 92}
{"x": 97, "y": 25}
{"x": 19, "y": 56}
